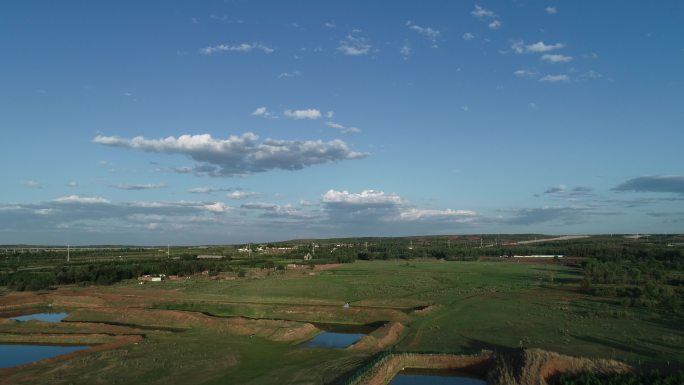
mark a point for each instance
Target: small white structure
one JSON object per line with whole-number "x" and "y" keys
{"x": 308, "y": 257}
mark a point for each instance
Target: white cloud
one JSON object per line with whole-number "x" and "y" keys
{"x": 330, "y": 24}
{"x": 518, "y": 46}
{"x": 405, "y": 50}
{"x": 556, "y": 58}
{"x": 354, "y": 46}
{"x": 239, "y": 155}
{"x": 555, "y": 79}
{"x": 551, "y": 10}
{"x": 330, "y": 114}
{"x": 72, "y": 184}
{"x": 244, "y": 47}
{"x": 239, "y": 194}
{"x": 495, "y": 24}
{"x": 261, "y": 111}
{"x": 555, "y": 189}
{"x": 428, "y": 32}
{"x": 482, "y": 12}
{"x": 364, "y": 198}
{"x": 309, "y": 113}
{"x": 81, "y": 199}
{"x": 289, "y": 75}
{"x": 526, "y": 73}
{"x": 468, "y": 36}
{"x": 541, "y": 47}
{"x": 147, "y": 186}
{"x": 207, "y": 190}
{"x": 420, "y": 214}
{"x": 31, "y": 184}
{"x": 217, "y": 207}
{"x": 342, "y": 129}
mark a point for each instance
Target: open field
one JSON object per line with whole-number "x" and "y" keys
{"x": 243, "y": 318}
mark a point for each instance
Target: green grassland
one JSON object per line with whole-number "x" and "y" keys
{"x": 473, "y": 305}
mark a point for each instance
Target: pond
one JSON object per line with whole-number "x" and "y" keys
{"x": 45, "y": 317}
{"x": 332, "y": 340}
{"x": 339, "y": 336}
{"x": 435, "y": 377}
{"x": 14, "y": 355}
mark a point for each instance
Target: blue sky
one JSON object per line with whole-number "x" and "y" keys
{"x": 233, "y": 121}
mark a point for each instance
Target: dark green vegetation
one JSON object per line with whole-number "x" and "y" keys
{"x": 609, "y": 297}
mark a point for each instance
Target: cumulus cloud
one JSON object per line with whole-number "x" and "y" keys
{"x": 555, "y": 189}
{"x": 660, "y": 184}
{"x": 354, "y": 46}
{"x": 79, "y": 199}
{"x": 551, "y": 10}
{"x": 448, "y": 214}
{"x": 468, "y": 36}
{"x": 541, "y": 47}
{"x": 239, "y": 194}
{"x": 239, "y": 155}
{"x": 495, "y": 24}
{"x": 555, "y": 79}
{"x": 364, "y": 198}
{"x": 244, "y": 47}
{"x": 309, "y": 113}
{"x": 405, "y": 50}
{"x": 260, "y": 111}
{"x": 342, "y": 129}
{"x": 482, "y": 12}
{"x": 428, "y": 32}
{"x": 147, "y": 186}
{"x": 556, "y": 58}
{"x": 272, "y": 210}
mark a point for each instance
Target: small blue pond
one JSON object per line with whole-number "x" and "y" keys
{"x": 332, "y": 340}
{"x": 14, "y": 355}
{"x": 434, "y": 377}
{"x": 45, "y": 317}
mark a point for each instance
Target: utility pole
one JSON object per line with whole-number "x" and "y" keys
{"x": 249, "y": 250}
{"x": 168, "y": 251}
{"x": 366, "y": 245}
{"x": 449, "y": 243}
{"x": 313, "y": 250}
{"x": 68, "y": 250}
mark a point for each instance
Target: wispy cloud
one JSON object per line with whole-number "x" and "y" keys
{"x": 244, "y": 47}
{"x": 551, "y": 10}
{"x": 354, "y": 46}
{"x": 540, "y": 46}
{"x": 263, "y": 112}
{"x": 135, "y": 187}
{"x": 556, "y": 58}
{"x": 240, "y": 194}
{"x": 428, "y": 32}
{"x": 660, "y": 184}
{"x": 32, "y": 184}
{"x": 555, "y": 79}
{"x": 342, "y": 129}
{"x": 289, "y": 75}
{"x": 239, "y": 155}
{"x": 555, "y": 189}
{"x": 208, "y": 190}
{"x": 468, "y": 36}
{"x": 309, "y": 113}
{"x": 495, "y": 24}
{"x": 482, "y": 12}
{"x": 80, "y": 199}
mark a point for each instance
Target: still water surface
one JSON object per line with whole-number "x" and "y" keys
{"x": 14, "y": 355}
{"x": 46, "y": 317}
{"x": 332, "y": 340}
{"x": 436, "y": 377}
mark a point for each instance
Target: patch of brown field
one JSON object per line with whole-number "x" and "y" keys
{"x": 537, "y": 367}
{"x": 18, "y": 300}
{"x": 115, "y": 344}
{"x": 326, "y": 266}
{"x": 56, "y": 339}
{"x": 40, "y": 327}
{"x": 380, "y": 338}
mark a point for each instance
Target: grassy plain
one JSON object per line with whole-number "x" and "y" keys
{"x": 472, "y": 305}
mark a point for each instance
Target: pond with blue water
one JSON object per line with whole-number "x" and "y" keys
{"x": 14, "y": 355}
{"x": 45, "y": 317}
